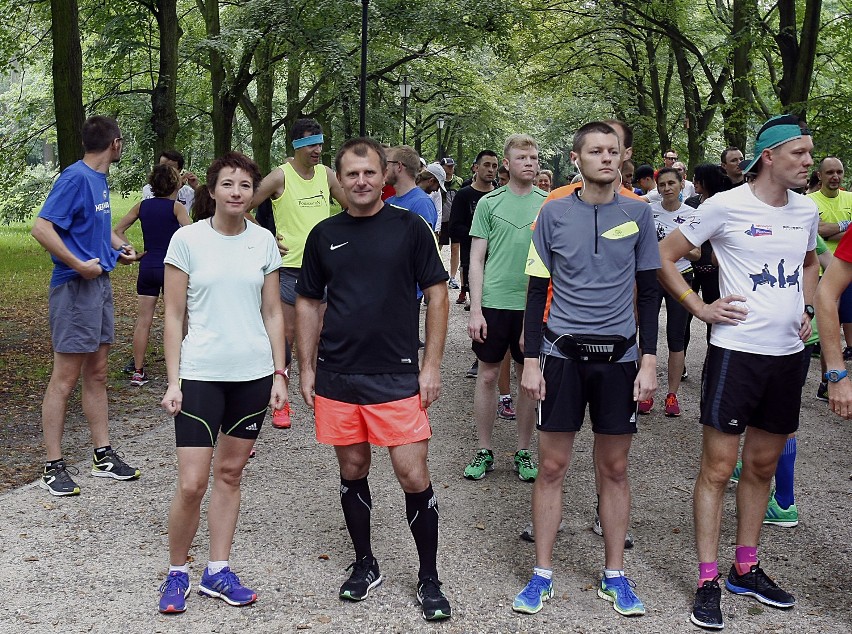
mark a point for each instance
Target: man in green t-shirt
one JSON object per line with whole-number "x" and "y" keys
{"x": 501, "y": 233}
{"x": 835, "y": 215}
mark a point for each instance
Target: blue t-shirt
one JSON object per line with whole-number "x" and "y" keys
{"x": 78, "y": 207}
{"x": 419, "y": 202}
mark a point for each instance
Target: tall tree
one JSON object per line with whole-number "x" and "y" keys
{"x": 67, "y": 80}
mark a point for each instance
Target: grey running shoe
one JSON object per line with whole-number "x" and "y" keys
{"x": 57, "y": 481}
{"x": 529, "y": 536}
{"x": 112, "y": 466}
{"x": 598, "y": 530}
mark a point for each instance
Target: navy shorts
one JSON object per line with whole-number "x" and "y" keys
{"x": 504, "y": 333}
{"x": 150, "y": 282}
{"x": 82, "y": 316}
{"x": 237, "y": 408}
{"x": 844, "y": 307}
{"x": 287, "y": 280}
{"x": 607, "y": 389}
{"x": 743, "y": 389}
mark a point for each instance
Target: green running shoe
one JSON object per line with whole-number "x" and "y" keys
{"x": 531, "y": 599}
{"x": 788, "y": 518}
{"x": 619, "y": 592}
{"x": 483, "y": 461}
{"x": 735, "y": 476}
{"x": 524, "y": 467}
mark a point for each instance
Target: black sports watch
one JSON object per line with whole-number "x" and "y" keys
{"x": 834, "y": 376}
{"x": 809, "y": 311}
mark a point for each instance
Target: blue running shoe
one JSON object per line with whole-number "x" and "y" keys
{"x": 173, "y": 593}
{"x": 226, "y": 585}
{"x": 531, "y": 599}
{"x": 619, "y": 592}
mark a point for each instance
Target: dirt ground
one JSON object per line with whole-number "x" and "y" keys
{"x": 93, "y": 563}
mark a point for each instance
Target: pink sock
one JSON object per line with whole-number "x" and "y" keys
{"x": 746, "y": 558}
{"x": 707, "y": 572}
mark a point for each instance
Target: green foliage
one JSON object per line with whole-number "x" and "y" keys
{"x": 24, "y": 192}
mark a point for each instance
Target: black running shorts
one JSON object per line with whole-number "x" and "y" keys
{"x": 237, "y": 408}
{"x": 504, "y": 333}
{"x": 607, "y": 388}
{"x": 743, "y": 389}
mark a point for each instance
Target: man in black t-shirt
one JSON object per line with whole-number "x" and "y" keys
{"x": 464, "y": 205}
{"x": 361, "y": 375}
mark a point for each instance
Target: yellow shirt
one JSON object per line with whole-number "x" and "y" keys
{"x": 300, "y": 208}
{"x": 833, "y": 210}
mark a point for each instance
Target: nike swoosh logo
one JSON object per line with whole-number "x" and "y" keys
{"x": 337, "y": 246}
{"x": 416, "y": 431}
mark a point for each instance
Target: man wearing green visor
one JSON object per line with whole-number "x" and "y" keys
{"x": 764, "y": 236}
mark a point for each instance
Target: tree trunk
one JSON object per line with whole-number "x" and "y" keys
{"x": 164, "y": 119}
{"x": 797, "y": 56}
{"x": 261, "y": 126}
{"x": 658, "y": 95}
{"x": 736, "y": 114}
{"x": 223, "y": 112}
{"x": 67, "y": 80}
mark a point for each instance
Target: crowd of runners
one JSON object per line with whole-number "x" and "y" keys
{"x": 563, "y": 286}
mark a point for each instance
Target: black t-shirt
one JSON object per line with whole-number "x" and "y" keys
{"x": 461, "y": 214}
{"x": 371, "y": 268}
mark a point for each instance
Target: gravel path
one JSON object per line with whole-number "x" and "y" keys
{"x": 93, "y": 563}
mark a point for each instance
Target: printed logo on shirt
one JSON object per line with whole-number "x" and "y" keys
{"x": 313, "y": 201}
{"x": 765, "y": 277}
{"x": 621, "y": 231}
{"x": 405, "y": 360}
{"x": 680, "y": 220}
{"x": 757, "y": 231}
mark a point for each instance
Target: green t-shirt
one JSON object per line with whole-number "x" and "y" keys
{"x": 504, "y": 219}
{"x": 833, "y": 210}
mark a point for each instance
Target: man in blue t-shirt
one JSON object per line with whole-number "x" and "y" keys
{"x": 403, "y": 167}
{"x": 75, "y": 227}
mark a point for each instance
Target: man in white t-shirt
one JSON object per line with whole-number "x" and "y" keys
{"x": 764, "y": 236}
{"x": 186, "y": 194}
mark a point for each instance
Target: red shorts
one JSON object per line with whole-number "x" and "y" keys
{"x": 390, "y": 424}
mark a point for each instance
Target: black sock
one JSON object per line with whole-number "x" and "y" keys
{"x": 357, "y": 505}
{"x": 50, "y": 464}
{"x": 421, "y": 509}
{"x": 100, "y": 452}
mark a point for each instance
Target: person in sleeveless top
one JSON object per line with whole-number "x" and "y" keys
{"x": 160, "y": 216}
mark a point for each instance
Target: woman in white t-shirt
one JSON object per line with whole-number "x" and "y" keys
{"x": 223, "y": 273}
{"x": 669, "y": 214}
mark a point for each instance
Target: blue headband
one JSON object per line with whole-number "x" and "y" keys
{"x": 315, "y": 139}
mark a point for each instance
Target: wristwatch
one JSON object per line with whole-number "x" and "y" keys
{"x": 833, "y": 376}
{"x": 809, "y": 311}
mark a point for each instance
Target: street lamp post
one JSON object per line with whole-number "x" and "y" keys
{"x": 440, "y": 129}
{"x": 405, "y": 93}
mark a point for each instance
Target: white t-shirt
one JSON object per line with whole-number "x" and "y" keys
{"x": 761, "y": 251}
{"x": 653, "y": 196}
{"x": 667, "y": 221}
{"x": 186, "y": 196}
{"x": 226, "y": 340}
{"x": 688, "y": 189}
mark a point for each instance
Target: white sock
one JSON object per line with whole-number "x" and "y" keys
{"x": 547, "y": 573}
{"x": 613, "y": 574}
{"x": 183, "y": 568}
{"x": 502, "y": 396}
{"x": 216, "y": 566}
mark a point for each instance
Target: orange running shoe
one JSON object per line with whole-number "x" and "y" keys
{"x": 281, "y": 417}
{"x": 672, "y": 406}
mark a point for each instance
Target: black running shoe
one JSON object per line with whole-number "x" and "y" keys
{"x": 435, "y": 605}
{"x": 130, "y": 366}
{"x": 706, "y": 610}
{"x": 57, "y": 481}
{"x": 112, "y": 466}
{"x": 756, "y": 584}
{"x": 365, "y": 576}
